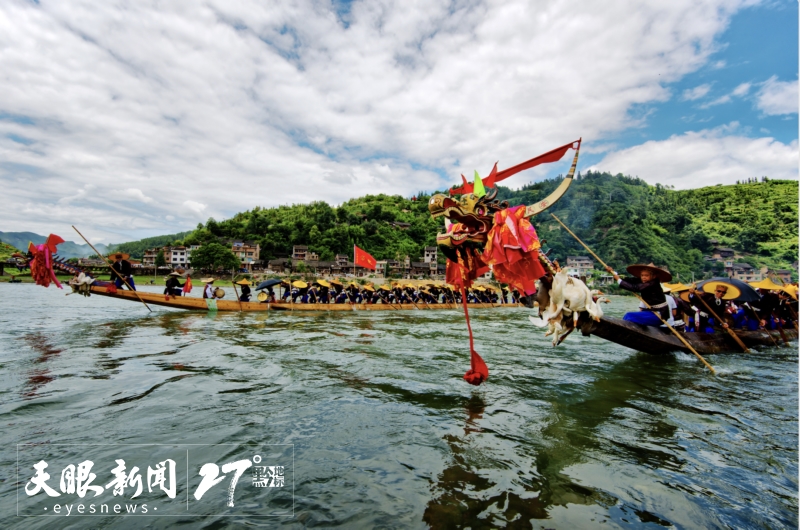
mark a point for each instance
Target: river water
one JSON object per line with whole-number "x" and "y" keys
{"x": 383, "y": 430}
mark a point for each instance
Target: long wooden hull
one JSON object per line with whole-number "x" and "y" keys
{"x": 659, "y": 340}
{"x": 201, "y": 304}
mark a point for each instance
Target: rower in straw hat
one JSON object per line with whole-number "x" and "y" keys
{"x": 209, "y": 291}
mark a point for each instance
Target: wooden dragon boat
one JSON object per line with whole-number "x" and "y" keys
{"x": 205, "y": 304}
{"x": 659, "y": 340}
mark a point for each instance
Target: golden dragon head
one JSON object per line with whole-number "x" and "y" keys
{"x": 472, "y": 218}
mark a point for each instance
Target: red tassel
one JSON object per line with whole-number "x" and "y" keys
{"x": 111, "y": 289}
{"x": 478, "y": 372}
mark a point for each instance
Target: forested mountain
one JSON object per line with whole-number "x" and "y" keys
{"x": 136, "y": 248}
{"x": 624, "y": 220}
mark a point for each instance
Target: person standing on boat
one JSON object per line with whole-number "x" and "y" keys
{"x": 123, "y": 267}
{"x": 646, "y": 281}
{"x": 716, "y": 300}
{"x": 173, "y": 286}
{"x": 245, "y": 296}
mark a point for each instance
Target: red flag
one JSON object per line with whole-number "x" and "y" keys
{"x": 363, "y": 259}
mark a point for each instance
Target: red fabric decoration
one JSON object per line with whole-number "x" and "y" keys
{"x": 187, "y": 286}
{"x": 42, "y": 263}
{"x": 111, "y": 288}
{"x": 512, "y": 249}
{"x": 467, "y": 270}
{"x": 363, "y": 259}
{"x": 494, "y": 177}
{"x": 478, "y": 372}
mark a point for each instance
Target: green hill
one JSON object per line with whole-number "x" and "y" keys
{"x": 6, "y": 250}
{"x": 136, "y": 248}
{"x": 623, "y": 219}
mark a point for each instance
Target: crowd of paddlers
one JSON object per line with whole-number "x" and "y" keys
{"x": 339, "y": 292}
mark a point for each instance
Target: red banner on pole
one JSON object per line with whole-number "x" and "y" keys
{"x": 496, "y": 176}
{"x": 363, "y": 259}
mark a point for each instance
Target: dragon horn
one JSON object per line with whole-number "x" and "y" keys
{"x": 562, "y": 188}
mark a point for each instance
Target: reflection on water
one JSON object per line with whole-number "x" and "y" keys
{"x": 387, "y": 434}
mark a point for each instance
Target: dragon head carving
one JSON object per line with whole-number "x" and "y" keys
{"x": 472, "y": 218}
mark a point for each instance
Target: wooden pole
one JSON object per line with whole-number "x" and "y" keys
{"x": 759, "y": 323}
{"x": 728, "y": 329}
{"x": 680, "y": 337}
{"x": 579, "y": 241}
{"x": 387, "y": 301}
{"x": 683, "y": 340}
{"x": 236, "y": 292}
{"x": 113, "y": 269}
{"x": 780, "y": 328}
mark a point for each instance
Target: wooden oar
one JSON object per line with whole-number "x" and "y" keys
{"x": 113, "y": 269}
{"x": 728, "y": 329}
{"x": 385, "y": 301}
{"x": 410, "y": 297}
{"x": 236, "y": 292}
{"x": 673, "y": 330}
{"x": 780, "y": 328}
{"x": 793, "y": 312}
{"x": 683, "y": 340}
{"x": 753, "y": 311}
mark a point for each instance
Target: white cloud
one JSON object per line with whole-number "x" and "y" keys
{"x": 136, "y": 194}
{"x": 691, "y": 94}
{"x": 719, "y": 101}
{"x": 194, "y": 206}
{"x": 741, "y": 90}
{"x": 238, "y": 104}
{"x": 704, "y": 158}
{"x": 778, "y": 97}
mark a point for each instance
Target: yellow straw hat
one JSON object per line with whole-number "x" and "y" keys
{"x": 119, "y": 255}
{"x": 207, "y": 280}
{"x": 678, "y": 287}
{"x": 299, "y": 284}
{"x": 323, "y": 283}
{"x": 791, "y": 290}
{"x": 262, "y": 296}
{"x": 733, "y": 291}
{"x": 337, "y": 282}
{"x": 369, "y": 288}
{"x": 767, "y": 284}
{"x": 243, "y": 282}
{"x": 385, "y": 287}
{"x": 219, "y": 292}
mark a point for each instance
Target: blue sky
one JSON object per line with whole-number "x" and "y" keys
{"x": 760, "y": 43}
{"x": 136, "y": 120}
